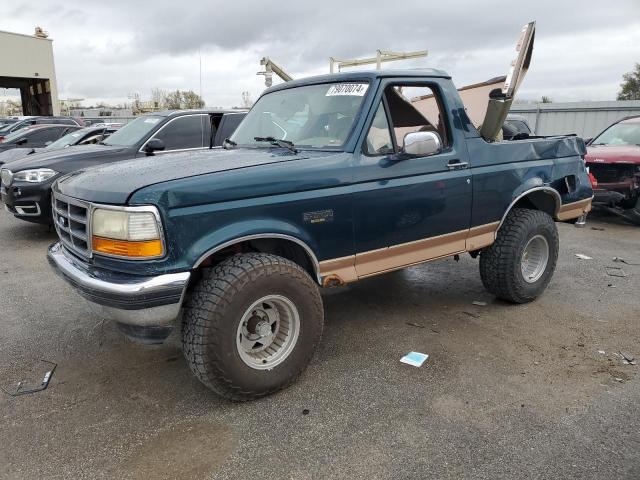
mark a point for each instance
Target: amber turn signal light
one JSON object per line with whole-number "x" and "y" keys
{"x": 125, "y": 248}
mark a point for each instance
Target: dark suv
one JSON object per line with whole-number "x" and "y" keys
{"x": 35, "y": 136}
{"x": 27, "y": 121}
{"x": 26, "y": 183}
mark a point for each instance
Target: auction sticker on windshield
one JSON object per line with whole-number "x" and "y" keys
{"x": 353, "y": 89}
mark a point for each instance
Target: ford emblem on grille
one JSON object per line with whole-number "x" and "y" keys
{"x": 61, "y": 221}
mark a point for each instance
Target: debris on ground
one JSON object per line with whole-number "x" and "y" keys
{"x": 471, "y": 314}
{"x": 305, "y": 411}
{"x": 479, "y": 303}
{"x": 601, "y": 352}
{"x": 622, "y": 260}
{"x": 582, "y": 256}
{"x": 598, "y": 228}
{"x": 414, "y": 358}
{"x": 628, "y": 358}
{"x": 615, "y": 272}
{"x": 412, "y": 324}
{"x": 43, "y": 384}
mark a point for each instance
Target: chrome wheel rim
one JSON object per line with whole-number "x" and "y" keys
{"x": 535, "y": 257}
{"x": 268, "y": 332}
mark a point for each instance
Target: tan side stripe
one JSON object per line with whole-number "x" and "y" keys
{"x": 574, "y": 209}
{"x": 410, "y": 253}
{"x": 482, "y": 236}
{"x": 339, "y": 270}
{"x": 365, "y": 264}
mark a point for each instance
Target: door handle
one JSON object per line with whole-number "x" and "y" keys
{"x": 457, "y": 165}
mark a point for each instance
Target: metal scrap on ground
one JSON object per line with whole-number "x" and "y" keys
{"x": 622, "y": 260}
{"x": 43, "y": 384}
{"x": 582, "y": 256}
{"x": 615, "y": 272}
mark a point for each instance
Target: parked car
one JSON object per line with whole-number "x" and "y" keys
{"x": 613, "y": 159}
{"x": 7, "y": 121}
{"x": 328, "y": 180}
{"x": 26, "y": 183}
{"x": 83, "y": 136}
{"x": 23, "y": 122}
{"x": 35, "y": 136}
{"x": 516, "y": 127}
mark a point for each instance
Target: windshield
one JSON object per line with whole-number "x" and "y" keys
{"x": 69, "y": 139}
{"x": 312, "y": 116}
{"x": 620, "y": 134}
{"x": 133, "y": 131}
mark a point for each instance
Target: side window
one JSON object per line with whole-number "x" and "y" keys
{"x": 182, "y": 132}
{"x": 228, "y": 125}
{"x": 415, "y": 108}
{"x": 42, "y": 135}
{"x": 379, "y": 137}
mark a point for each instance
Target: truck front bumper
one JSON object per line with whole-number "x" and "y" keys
{"x": 145, "y": 307}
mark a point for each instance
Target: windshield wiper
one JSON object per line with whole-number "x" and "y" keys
{"x": 278, "y": 142}
{"x": 228, "y": 142}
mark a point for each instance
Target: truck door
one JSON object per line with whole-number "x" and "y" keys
{"x": 409, "y": 209}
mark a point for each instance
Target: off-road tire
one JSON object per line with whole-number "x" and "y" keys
{"x": 500, "y": 268}
{"x": 213, "y": 311}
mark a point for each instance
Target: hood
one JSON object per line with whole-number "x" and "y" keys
{"x": 114, "y": 183}
{"x": 63, "y": 160}
{"x": 16, "y": 153}
{"x": 613, "y": 154}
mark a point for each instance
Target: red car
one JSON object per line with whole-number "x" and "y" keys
{"x": 613, "y": 158}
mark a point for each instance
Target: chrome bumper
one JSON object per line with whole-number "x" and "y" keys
{"x": 128, "y": 299}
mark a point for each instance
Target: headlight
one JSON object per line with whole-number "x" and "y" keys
{"x": 133, "y": 232}
{"x": 34, "y": 176}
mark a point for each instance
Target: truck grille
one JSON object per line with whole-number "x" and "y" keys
{"x": 71, "y": 218}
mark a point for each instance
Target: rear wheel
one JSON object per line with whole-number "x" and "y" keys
{"x": 251, "y": 325}
{"x": 520, "y": 263}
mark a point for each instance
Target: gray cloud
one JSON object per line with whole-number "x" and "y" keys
{"x": 107, "y": 49}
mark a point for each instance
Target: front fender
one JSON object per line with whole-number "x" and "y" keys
{"x": 248, "y": 229}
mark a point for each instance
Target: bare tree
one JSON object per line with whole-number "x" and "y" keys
{"x": 158, "y": 97}
{"x": 191, "y": 99}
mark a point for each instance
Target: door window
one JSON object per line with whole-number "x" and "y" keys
{"x": 182, "y": 132}
{"x": 42, "y": 135}
{"x": 379, "y": 137}
{"x": 415, "y": 108}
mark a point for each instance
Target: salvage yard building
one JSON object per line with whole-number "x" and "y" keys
{"x": 27, "y": 64}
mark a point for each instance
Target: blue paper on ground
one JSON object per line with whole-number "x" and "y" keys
{"x": 414, "y": 358}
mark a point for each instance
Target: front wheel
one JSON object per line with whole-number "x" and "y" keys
{"x": 251, "y": 325}
{"x": 520, "y": 263}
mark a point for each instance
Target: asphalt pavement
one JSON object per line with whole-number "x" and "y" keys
{"x": 509, "y": 391}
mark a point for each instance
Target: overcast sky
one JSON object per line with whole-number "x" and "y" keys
{"x": 105, "y": 50}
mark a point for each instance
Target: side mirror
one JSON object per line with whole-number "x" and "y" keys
{"x": 422, "y": 144}
{"x": 153, "y": 145}
{"x": 587, "y": 141}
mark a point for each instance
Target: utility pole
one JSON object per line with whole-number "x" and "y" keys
{"x": 200, "y": 57}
